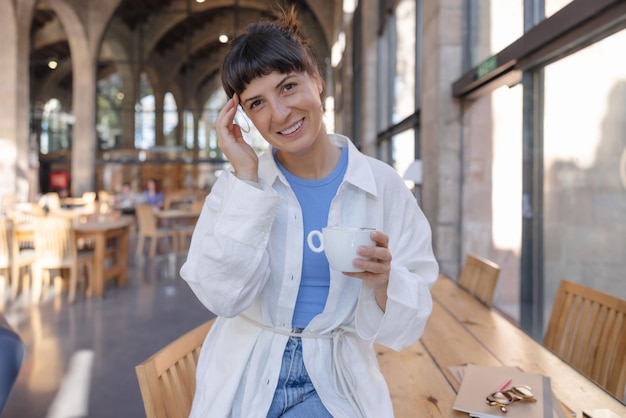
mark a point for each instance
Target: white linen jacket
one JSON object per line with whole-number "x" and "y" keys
{"x": 245, "y": 259}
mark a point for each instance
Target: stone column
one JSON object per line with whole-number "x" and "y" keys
{"x": 159, "y": 137}
{"x": 442, "y": 129}
{"x": 15, "y": 18}
{"x": 85, "y": 24}
{"x": 369, "y": 68}
{"x": 129, "y": 83}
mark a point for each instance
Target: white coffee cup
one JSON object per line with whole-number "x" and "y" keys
{"x": 340, "y": 244}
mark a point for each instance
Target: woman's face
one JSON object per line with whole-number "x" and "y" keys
{"x": 286, "y": 109}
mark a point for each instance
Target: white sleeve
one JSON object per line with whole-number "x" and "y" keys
{"x": 414, "y": 270}
{"x": 227, "y": 263}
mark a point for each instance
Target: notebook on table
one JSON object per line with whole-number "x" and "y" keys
{"x": 480, "y": 381}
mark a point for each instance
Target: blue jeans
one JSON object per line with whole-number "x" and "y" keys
{"x": 295, "y": 395}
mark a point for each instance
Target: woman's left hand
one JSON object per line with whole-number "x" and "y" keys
{"x": 377, "y": 268}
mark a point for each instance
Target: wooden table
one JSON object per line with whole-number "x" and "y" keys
{"x": 110, "y": 244}
{"x": 461, "y": 330}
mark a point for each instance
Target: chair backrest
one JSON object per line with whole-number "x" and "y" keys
{"x": 89, "y": 202}
{"x": 51, "y": 200}
{"x": 587, "y": 328}
{"x": 146, "y": 221}
{"x": 167, "y": 379}
{"x": 479, "y": 276}
{"x": 89, "y": 197}
{"x": 55, "y": 241}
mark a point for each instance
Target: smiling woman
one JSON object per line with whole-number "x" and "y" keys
{"x": 286, "y": 317}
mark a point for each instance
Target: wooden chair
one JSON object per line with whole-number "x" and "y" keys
{"x": 56, "y": 249}
{"x": 89, "y": 201}
{"x": 13, "y": 260}
{"x": 587, "y": 328}
{"x": 173, "y": 198}
{"x": 148, "y": 229}
{"x": 167, "y": 379}
{"x": 479, "y": 276}
{"x": 51, "y": 202}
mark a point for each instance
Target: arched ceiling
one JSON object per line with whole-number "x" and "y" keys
{"x": 175, "y": 41}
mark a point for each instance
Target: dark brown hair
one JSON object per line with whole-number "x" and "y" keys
{"x": 266, "y": 46}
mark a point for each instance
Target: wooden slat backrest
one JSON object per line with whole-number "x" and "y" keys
{"x": 146, "y": 220}
{"x": 167, "y": 379}
{"x": 587, "y": 328}
{"x": 479, "y": 276}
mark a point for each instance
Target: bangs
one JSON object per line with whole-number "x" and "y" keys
{"x": 258, "y": 53}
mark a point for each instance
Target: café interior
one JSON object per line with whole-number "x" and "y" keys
{"x": 506, "y": 120}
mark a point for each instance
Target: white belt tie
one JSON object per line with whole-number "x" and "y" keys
{"x": 343, "y": 380}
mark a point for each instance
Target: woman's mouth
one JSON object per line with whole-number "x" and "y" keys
{"x": 293, "y": 128}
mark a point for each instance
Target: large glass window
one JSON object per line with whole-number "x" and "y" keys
{"x": 189, "y": 130}
{"x": 504, "y": 155}
{"x": 553, "y": 6}
{"x": 584, "y": 158}
{"x": 398, "y": 118}
{"x": 404, "y": 79}
{"x": 109, "y": 121}
{"x": 56, "y": 128}
{"x": 144, "y": 115}
{"x": 403, "y": 150}
{"x": 170, "y": 118}
{"x": 493, "y": 26}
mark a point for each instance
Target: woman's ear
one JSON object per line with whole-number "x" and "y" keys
{"x": 318, "y": 83}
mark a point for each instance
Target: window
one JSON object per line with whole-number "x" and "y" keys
{"x": 398, "y": 69}
{"x": 144, "y": 116}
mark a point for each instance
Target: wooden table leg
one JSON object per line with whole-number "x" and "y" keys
{"x": 122, "y": 256}
{"x": 98, "y": 265}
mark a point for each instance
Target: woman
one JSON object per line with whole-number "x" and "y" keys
{"x": 152, "y": 195}
{"x": 294, "y": 338}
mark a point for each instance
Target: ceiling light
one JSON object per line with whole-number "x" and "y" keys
{"x": 223, "y": 38}
{"x": 52, "y": 64}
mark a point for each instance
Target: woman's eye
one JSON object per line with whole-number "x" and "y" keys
{"x": 255, "y": 104}
{"x": 289, "y": 86}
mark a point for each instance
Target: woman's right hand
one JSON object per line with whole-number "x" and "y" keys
{"x": 230, "y": 140}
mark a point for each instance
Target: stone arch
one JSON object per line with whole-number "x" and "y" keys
{"x": 83, "y": 98}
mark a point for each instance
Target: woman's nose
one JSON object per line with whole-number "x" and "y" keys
{"x": 280, "y": 110}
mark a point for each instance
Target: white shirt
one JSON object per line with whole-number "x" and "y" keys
{"x": 246, "y": 257}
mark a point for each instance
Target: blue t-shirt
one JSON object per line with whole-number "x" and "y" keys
{"x": 314, "y": 197}
{"x": 154, "y": 200}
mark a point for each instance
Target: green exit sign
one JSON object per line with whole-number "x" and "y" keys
{"x": 487, "y": 66}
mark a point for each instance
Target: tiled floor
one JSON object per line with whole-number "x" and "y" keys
{"x": 80, "y": 357}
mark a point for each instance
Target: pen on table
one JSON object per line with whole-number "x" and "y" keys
{"x": 504, "y": 385}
